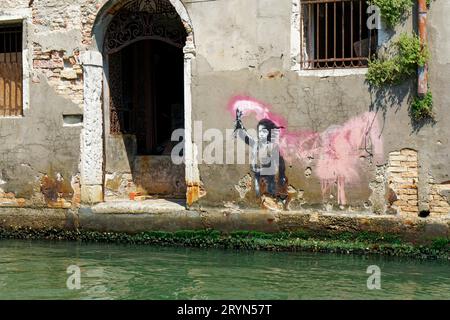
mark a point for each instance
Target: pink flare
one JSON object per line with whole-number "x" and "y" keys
{"x": 250, "y": 106}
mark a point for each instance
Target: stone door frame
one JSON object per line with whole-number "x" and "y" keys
{"x": 96, "y": 105}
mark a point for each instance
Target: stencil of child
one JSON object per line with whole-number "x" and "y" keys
{"x": 267, "y": 164}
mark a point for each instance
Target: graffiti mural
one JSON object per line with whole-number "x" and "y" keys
{"x": 337, "y": 150}
{"x": 267, "y": 163}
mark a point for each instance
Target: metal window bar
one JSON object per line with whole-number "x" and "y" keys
{"x": 335, "y": 34}
{"x": 11, "y": 99}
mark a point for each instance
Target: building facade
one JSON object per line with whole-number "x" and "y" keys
{"x": 96, "y": 95}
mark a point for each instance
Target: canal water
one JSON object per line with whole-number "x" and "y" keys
{"x": 38, "y": 270}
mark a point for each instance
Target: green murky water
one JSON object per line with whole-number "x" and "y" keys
{"x": 37, "y": 270}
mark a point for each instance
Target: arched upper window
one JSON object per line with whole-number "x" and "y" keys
{"x": 144, "y": 19}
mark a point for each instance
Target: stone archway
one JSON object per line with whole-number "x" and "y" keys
{"x": 97, "y": 100}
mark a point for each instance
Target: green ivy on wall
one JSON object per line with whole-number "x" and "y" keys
{"x": 392, "y": 11}
{"x": 402, "y": 58}
{"x": 422, "y": 108}
{"x": 407, "y": 56}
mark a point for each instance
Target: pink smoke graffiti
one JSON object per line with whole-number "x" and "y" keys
{"x": 338, "y": 149}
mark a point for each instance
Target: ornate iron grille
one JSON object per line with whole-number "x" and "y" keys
{"x": 334, "y": 34}
{"x": 120, "y": 110}
{"x": 144, "y": 19}
{"x": 11, "y": 70}
{"x": 151, "y": 6}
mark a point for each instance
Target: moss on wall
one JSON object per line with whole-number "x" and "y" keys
{"x": 363, "y": 243}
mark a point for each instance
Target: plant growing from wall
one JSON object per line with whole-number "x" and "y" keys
{"x": 392, "y": 11}
{"x": 382, "y": 72}
{"x": 398, "y": 63}
{"x": 422, "y": 108}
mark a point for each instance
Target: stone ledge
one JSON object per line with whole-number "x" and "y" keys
{"x": 139, "y": 207}
{"x": 146, "y": 217}
{"x": 38, "y": 218}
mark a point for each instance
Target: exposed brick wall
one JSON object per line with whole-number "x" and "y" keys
{"x": 439, "y": 198}
{"x": 61, "y": 68}
{"x": 63, "y": 72}
{"x": 403, "y": 176}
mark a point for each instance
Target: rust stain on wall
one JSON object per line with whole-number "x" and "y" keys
{"x": 195, "y": 191}
{"x": 55, "y": 190}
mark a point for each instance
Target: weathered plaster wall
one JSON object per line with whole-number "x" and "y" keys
{"x": 40, "y": 151}
{"x": 39, "y": 154}
{"x": 253, "y": 59}
{"x": 243, "y": 48}
{"x": 307, "y": 104}
{"x": 56, "y": 42}
{"x": 250, "y": 55}
{"x": 435, "y": 140}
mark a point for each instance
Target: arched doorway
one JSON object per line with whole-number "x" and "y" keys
{"x": 106, "y": 156}
{"x": 143, "y": 50}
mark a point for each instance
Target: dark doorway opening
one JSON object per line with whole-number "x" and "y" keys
{"x": 152, "y": 95}
{"x": 145, "y": 61}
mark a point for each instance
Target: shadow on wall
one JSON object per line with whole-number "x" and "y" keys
{"x": 393, "y": 97}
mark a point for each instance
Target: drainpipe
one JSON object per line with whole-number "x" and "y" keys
{"x": 422, "y": 89}
{"x": 422, "y": 72}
